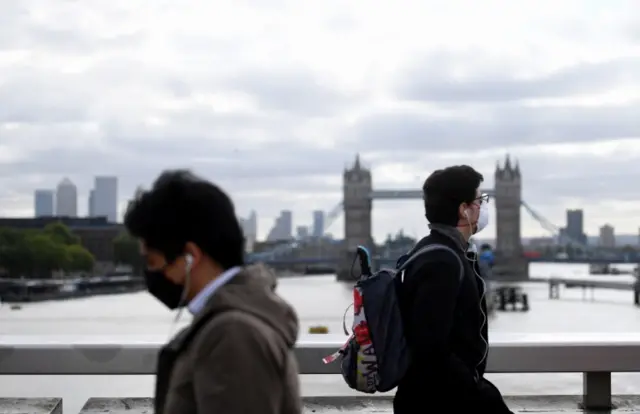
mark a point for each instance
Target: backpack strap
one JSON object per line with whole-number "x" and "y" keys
{"x": 431, "y": 248}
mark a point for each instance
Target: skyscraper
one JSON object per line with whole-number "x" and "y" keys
{"x": 318, "y": 224}
{"x": 105, "y": 198}
{"x": 283, "y": 227}
{"x": 302, "y": 232}
{"x": 253, "y": 220}
{"x": 92, "y": 197}
{"x": 287, "y": 223}
{"x": 250, "y": 230}
{"x": 607, "y": 236}
{"x": 43, "y": 203}
{"x": 575, "y": 226}
{"x": 66, "y": 199}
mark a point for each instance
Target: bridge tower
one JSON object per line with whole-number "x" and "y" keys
{"x": 508, "y": 198}
{"x": 357, "y": 187}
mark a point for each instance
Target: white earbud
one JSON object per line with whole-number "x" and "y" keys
{"x": 189, "y": 259}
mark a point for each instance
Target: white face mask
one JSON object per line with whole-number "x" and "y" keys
{"x": 483, "y": 217}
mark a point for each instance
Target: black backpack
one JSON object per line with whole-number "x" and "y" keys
{"x": 376, "y": 357}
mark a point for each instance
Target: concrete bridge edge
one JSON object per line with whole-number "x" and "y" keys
{"x": 315, "y": 404}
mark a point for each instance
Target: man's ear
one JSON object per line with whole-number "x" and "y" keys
{"x": 193, "y": 254}
{"x": 463, "y": 211}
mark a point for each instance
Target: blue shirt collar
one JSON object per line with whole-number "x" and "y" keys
{"x": 201, "y": 299}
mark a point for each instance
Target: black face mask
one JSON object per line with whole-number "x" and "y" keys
{"x": 167, "y": 292}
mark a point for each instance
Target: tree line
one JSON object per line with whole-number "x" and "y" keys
{"x": 55, "y": 251}
{"x": 38, "y": 254}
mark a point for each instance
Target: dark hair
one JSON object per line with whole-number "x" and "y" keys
{"x": 444, "y": 190}
{"x": 181, "y": 208}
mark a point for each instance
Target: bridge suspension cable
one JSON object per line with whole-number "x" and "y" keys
{"x": 331, "y": 216}
{"x": 550, "y": 227}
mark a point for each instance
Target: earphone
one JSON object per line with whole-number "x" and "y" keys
{"x": 185, "y": 290}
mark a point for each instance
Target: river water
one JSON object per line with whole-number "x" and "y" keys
{"x": 319, "y": 300}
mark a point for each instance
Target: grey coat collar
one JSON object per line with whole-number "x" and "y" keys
{"x": 452, "y": 233}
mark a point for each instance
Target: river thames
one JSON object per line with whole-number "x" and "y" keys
{"x": 319, "y": 300}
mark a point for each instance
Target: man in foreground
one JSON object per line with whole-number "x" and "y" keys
{"x": 237, "y": 355}
{"x": 444, "y": 315}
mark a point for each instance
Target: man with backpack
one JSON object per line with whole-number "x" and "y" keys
{"x": 441, "y": 297}
{"x": 236, "y": 356}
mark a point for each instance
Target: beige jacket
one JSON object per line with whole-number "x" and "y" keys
{"x": 237, "y": 357}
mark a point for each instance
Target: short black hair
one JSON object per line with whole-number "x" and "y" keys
{"x": 181, "y": 208}
{"x": 444, "y": 190}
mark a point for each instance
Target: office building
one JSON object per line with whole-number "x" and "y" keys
{"x": 105, "y": 198}
{"x": 44, "y": 203}
{"x": 318, "y": 224}
{"x": 302, "y": 232}
{"x": 575, "y": 227}
{"x": 91, "y": 202}
{"x": 250, "y": 230}
{"x": 252, "y": 225}
{"x": 607, "y": 236}
{"x": 66, "y": 199}
{"x": 282, "y": 228}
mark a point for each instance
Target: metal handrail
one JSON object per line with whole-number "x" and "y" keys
{"x": 594, "y": 355}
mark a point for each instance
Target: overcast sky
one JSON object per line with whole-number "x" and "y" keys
{"x": 272, "y": 98}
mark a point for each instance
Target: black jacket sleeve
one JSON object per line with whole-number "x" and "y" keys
{"x": 431, "y": 322}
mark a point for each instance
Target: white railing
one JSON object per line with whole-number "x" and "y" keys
{"x": 595, "y": 356}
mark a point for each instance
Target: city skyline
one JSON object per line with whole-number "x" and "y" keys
{"x": 285, "y": 225}
{"x": 63, "y": 200}
{"x": 411, "y": 86}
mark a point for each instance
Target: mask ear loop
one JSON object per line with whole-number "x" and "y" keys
{"x": 474, "y": 253}
{"x": 185, "y": 292}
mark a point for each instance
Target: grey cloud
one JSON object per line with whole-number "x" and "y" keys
{"x": 341, "y": 23}
{"x": 633, "y": 31}
{"x": 552, "y": 179}
{"x": 295, "y": 91}
{"x": 124, "y": 86}
{"x": 500, "y": 127}
{"x": 29, "y": 99}
{"x": 27, "y": 25}
{"x": 286, "y": 167}
{"x": 43, "y": 95}
{"x": 590, "y": 178}
{"x": 430, "y": 80}
{"x": 257, "y": 153}
{"x": 549, "y": 180}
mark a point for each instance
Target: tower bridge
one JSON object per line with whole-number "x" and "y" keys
{"x": 358, "y": 196}
{"x": 357, "y": 203}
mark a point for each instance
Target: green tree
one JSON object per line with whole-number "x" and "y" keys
{"x": 61, "y": 234}
{"x": 38, "y": 253}
{"x": 126, "y": 251}
{"x": 78, "y": 258}
{"x": 46, "y": 255}
{"x": 15, "y": 257}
